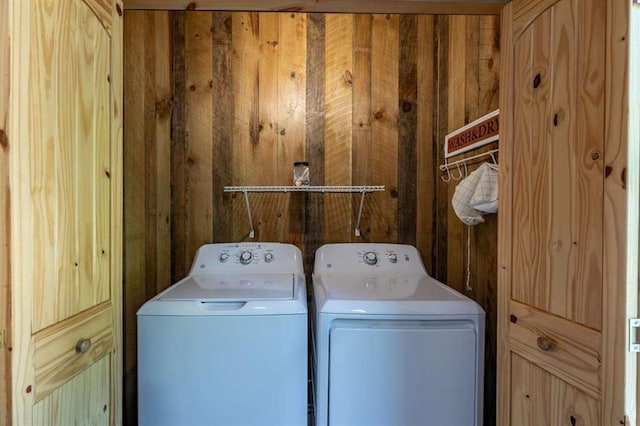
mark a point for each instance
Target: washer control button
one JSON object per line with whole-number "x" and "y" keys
{"x": 224, "y": 257}
{"x": 246, "y": 257}
{"x": 370, "y": 258}
{"x": 268, "y": 257}
{"x": 393, "y": 258}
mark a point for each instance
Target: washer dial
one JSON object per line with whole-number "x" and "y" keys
{"x": 268, "y": 257}
{"x": 246, "y": 257}
{"x": 370, "y": 258}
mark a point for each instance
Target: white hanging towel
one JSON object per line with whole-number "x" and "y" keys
{"x": 477, "y": 195}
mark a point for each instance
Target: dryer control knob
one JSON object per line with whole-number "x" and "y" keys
{"x": 393, "y": 258}
{"x": 224, "y": 257}
{"x": 268, "y": 257}
{"x": 370, "y": 258}
{"x": 246, "y": 257}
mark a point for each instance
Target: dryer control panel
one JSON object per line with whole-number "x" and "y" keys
{"x": 370, "y": 258}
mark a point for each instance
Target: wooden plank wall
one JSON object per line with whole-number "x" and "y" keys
{"x": 5, "y": 264}
{"x": 234, "y": 98}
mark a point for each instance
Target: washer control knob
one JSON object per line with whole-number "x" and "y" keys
{"x": 370, "y": 258}
{"x": 224, "y": 257}
{"x": 246, "y": 257}
{"x": 268, "y": 257}
{"x": 393, "y": 258}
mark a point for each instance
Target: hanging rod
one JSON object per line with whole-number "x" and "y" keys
{"x": 305, "y": 188}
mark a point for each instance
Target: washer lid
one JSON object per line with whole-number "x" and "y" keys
{"x": 389, "y": 294}
{"x": 232, "y": 288}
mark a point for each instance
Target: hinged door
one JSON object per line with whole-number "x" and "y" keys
{"x": 65, "y": 181}
{"x": 562, "y": 217}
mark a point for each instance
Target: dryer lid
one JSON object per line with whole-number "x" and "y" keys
{"x": 389, "y": 294}
{"x": 232, "y": 288}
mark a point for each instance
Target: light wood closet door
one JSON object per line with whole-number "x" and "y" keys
{"x": 560, "y": 188}
{"x": 66, "y": 218}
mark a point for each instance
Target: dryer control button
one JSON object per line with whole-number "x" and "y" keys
{"x": 246, "y": 257}
{"x": 370, "y": 258}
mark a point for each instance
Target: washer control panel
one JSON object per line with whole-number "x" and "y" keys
{"x": 247, "y": 257}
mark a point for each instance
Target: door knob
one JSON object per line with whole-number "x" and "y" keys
{"x": 544, "y": 343}
{"x": 83, "y": 345}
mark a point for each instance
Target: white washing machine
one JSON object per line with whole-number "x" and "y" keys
{"x": 227, "y": 345}
{"x": 393, "y": 346}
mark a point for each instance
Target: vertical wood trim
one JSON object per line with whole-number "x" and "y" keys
{"x": 385, "y": 57}
{"x": 162, "y": 169}
{"x": 504, "y": 218}
{"x": 198, "y": 132}
{"x": 457, "y": 116}
{"x": 407, "y": 130}
{"x": 362, "y": 116}
{"x": 426, "y": 173}
{"x": 179, "y": 264}
{"x": 5, "y": 220}
{"x": 485, "y": 236}
{"x": 338, "y": 123}
{"x": 223, "y": 113}
{"x": 245, "y": 36}
{"x": 20, "y": 129}
{"x": 134, "y": 194}
{"x": 615, "y": 358}
{"x": 268, "y": 210}
{"x": 148, "y": 152}
{"x": 633, "y": 231}
{"x": 291, "y": 117}
{"x": 116, "y": 231}
{"x": 441, "y": 58}
{"x": 314, "y": 138}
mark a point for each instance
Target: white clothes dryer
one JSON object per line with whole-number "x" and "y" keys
{"x": 227, "y": 345}
{"x": 393, "y": 346}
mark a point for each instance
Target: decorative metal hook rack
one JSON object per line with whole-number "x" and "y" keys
{"x": 447, "y": 165}
{"x": 363, "y": 190}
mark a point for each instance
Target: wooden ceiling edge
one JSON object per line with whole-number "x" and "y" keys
{"x": 396, "y": 7}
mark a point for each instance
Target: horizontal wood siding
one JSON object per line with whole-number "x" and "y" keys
{"x": 365, "y": 99}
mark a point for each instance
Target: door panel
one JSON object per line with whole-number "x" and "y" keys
{"x": 84, "y": 400}
{"x": 559, "y": 129}
{"x": 538, "y": 398}
{"x": 70, "y": 152}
